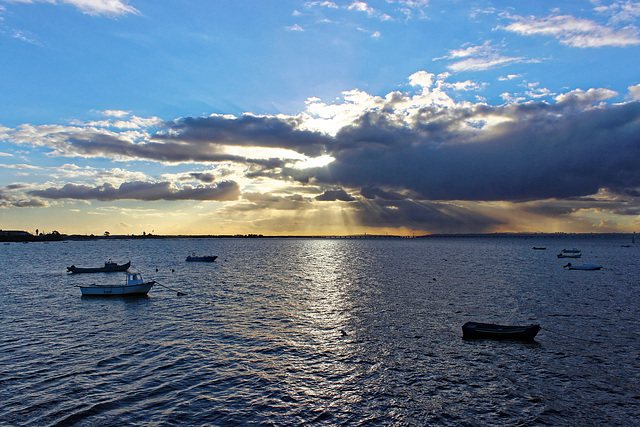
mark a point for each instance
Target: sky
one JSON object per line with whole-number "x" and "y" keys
{"x": 398, "y": 117}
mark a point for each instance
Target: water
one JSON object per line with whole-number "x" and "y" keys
{"x": 327, "y": 332}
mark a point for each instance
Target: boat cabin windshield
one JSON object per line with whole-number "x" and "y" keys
{"x": 134, "y": 277}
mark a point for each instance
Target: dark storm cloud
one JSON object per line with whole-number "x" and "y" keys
{"x": 139, "y": 190}
{"x": 30, "y": 203}
{"x": 248, "y": 131}
{"x": 373, "y": 193}
{"x": 334, "y": 195}
{"x": 110, "y": 146}
{"x": 545, "y": 152}
{"x": 571, "y": 148}
{"x": 203, "y": 177}
{"x": 10, "y": 198}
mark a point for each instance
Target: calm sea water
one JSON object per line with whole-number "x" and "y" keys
{"x": 327, "y": 332}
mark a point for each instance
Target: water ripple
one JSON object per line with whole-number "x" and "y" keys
{"x": 321, "y": 332}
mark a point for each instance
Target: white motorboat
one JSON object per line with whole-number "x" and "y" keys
{"x": 134, "y": 285}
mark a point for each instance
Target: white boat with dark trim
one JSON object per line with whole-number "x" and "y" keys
{"x": 134, "y": 285}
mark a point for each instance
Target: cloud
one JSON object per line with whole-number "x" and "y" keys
{"x": 203, "y": 177}
{"x": 261, "y": 201}
{"x": 333, "y": 195}
{"x": 479, "y": 58}
{"x": 247, "y": 130}
{"x": 443, "y": 217}
{"x": 361, "y": 6}
{"x": 19, "y": 166}
{"x": 634, "y": 91}
{"x": 421, "y": 146}
{"x": 574, "y": 32}
{"x": 138, "y": 190}
{"x": 581, "y": 98}
{"x": 12, "y": 196}
{"x": 200, "y": 143}
{"x": 621, "y": 11}
{"x": 540, "y": 153}
{"x": 329, "y": 4}
{"x": 509, "y": 77}
{"x": 94, "y": 7}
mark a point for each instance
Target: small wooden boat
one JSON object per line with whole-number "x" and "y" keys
{"x": 571, "y": 251}
{"x": 134, "y": 285}
{"x": 207, "y": 258}
{"x": 499, "y": 332}
{"x": 109, "y": 267}
{"x": 569, "y": 255}
{"x": 583, "y": 267}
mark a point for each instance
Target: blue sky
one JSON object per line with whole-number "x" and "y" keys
{"x": 319, "y": 117}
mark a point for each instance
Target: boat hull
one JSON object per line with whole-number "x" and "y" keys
{"x": 109, "y": 290}
{"x": 201, "y": 258}
{"x": 473, "y": 330}
{"x": 585, "y": 267}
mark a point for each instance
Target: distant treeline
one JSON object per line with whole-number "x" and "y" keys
{"x": 24, "y": 236}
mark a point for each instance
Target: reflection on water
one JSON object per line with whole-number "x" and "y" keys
{"x": 286, "y": 331}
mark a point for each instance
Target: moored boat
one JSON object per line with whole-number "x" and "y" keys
{"x": 583, "y": 267}
{"x": 109, "y": 267}
{"x": 571, "y": 251}
{"x": 207, "y": 258}
{"x": 569, "y": 255}
{"x": 538, "y": 248}
{"x": 134, "y": 285}
{"x": 499, "y": 332}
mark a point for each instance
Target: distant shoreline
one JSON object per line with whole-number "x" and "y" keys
{"x": 22, "y": 236}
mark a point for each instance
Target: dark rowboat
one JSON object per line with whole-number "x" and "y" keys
{"x": 193, "y": 258}
{"x": 499, "y": 332}
{"x": 109, "y": 267}
{"x": 569, "y": 255}
{"x": 583, "y": 267}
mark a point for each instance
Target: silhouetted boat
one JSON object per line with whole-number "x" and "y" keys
{"x": 134, "y": 285}
{"x": 569, "y": 255}
{"x": 499, "y": 332}
{"x": 208, "y": 258}
{"x": 109, "y": 267}
{"x": 584, "y": 267}
{"x": 571, "y": 251}
{"x": 535, "y": 248}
